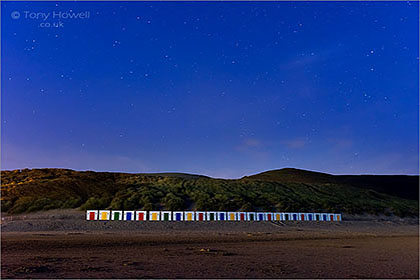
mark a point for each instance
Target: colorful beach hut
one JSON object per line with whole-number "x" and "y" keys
{"x": 302, "y": 217}
{"x": 231, "y": 216}
{"x": 188, "y": 216}
{"x": 154, "y": 215}
{"x": 309, "y": 217}
{"x": 269, "y": 216}
{"x": 261, "y": 216}
{"x": 221, "y": 216}
{"x": 104, "y": 215}
{"x": 128, "y": 215}
{"x": 211, "y": 216}
{"x": 91, "y": 215}
{"x": 116, "y": 215}
{"x": 166, "y": 216}
{"x": 242, "y": 216}
{"x": 141, "y": 215}
{"x": 178, "y": 216}
{"x": 200, "y": 216}
{"x": 251, "y": 216}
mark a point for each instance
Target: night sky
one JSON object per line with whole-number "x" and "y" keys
{"x": 220, "y": 89}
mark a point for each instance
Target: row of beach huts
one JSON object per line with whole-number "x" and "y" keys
{"x": 116, "y": 215}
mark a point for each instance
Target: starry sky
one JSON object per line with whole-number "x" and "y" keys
{"x": 224, "y": 89}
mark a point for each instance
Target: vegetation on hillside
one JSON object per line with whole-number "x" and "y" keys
{"x": 42, "y": 189}
{"x": 403, "y": 186}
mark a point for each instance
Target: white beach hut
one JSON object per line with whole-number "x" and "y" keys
{"x": 154, "y": 215}
{"x": 211, "y": 216}
{"x": 241, "y": 216}
{"x": 251, "y": 216}
{"x": 91, "y": 215}
{"x": 177, "y": 216}
{"x": 232, "y": 216}
{"x": 129, "y": 216}
{"x": 116, "y": 215}
{"x": 221, "y": 216}
{"x": 104, "y": 215}
{"x": 166, "y": 216}
{"x": 200, "y": 216}
{"x": 189, "y": 216}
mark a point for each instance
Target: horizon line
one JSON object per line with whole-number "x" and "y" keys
{"x": 203, "y": 175}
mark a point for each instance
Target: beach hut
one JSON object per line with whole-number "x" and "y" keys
{"x": 286, "y": 217}
{"x": 221, "y": 216}
{"x": 189, "y": 216}
{"x": 277, "y": 216}
{"x": 154, "y": 215}
{"x": 91, "y": 215}
{"x": 242, "y": 216}
{"x": 200, "y": 216}
{"x": 251, "y": 216}
{"x": 178, "y": 216}
{"x": 309, "y": 217}
{"x": 269, "y": 216}
{"x": 104, "y": 215}
{"x": 301, "y": 217}
{"x": 337, "y": 217}
{"x": 295, "y": 216}
{"x": 141, "y": 215}
{"x": 261, "y": 216}
{"x": 128, "y": 215}
{"x": 116, "y": 215}
{"x": 211, "y": 216}
{"x": 324, "y": 217}
{"x": 231, "y": 216}
{"x": 317, "y": 216}
{"x": 165, "y": 216}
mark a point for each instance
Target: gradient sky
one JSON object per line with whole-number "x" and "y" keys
{"x": 221, "y": 89}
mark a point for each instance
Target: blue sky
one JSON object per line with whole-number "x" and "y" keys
{"x": 221, "y": 89}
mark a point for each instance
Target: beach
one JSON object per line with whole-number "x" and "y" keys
{"x": 61, "y": 244}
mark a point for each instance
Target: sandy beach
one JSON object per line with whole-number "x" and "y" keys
{"x": 66, "y": 246}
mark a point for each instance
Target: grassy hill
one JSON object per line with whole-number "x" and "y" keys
{"x": 279, "y": 190}
{"x": 397, "y": 185}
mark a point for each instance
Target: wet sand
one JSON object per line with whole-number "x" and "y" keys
{"x": 353, "y": 249}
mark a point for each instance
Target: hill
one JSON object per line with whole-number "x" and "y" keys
{"x": 279, "y": 190}
{"x": 403, "y": 186}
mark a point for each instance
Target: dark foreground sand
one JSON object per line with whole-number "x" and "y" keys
{"x": 67, "y": 246}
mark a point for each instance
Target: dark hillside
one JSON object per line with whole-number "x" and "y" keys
{"x": 397, "y": 185}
